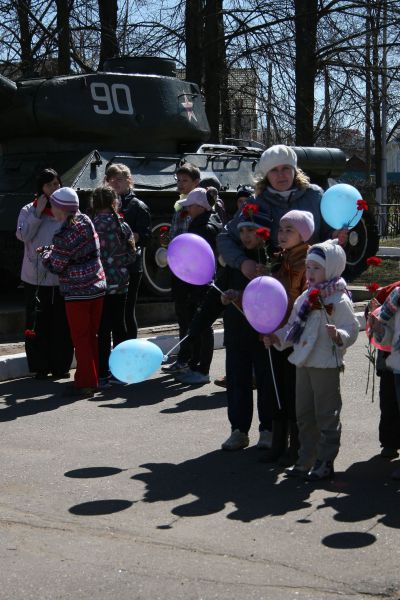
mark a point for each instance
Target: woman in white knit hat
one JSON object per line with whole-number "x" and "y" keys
{"x": 281, "y": 187}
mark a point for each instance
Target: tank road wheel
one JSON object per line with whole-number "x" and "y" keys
{"x": 362, "y": 243}
{"x": 157, "y": 276}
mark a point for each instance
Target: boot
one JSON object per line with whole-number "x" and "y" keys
{"x": 292, "y": 453}
{"x": 279, "y": 442}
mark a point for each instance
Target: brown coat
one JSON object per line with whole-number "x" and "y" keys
{"x": 289, "y": 267}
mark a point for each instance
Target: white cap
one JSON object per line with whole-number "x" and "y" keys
{"x": 275, "y": 156}
{"x": 197, "y": 196}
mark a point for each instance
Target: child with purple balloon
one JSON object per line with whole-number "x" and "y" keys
{"x": 295, "y": 229}
{"x": 321, "y": 327}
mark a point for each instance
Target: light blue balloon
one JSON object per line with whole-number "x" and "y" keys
{"x": 339, "y": 206}
{"x": 135, "y": 360}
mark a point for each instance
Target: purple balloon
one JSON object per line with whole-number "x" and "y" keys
{"x": 265, "y": 303}
{"x": 191, "y": 259}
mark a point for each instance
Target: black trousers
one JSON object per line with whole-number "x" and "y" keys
{"x": 241, "y": 360}
{"x": 285, "y": 378}
{"x": 51, "y": 350}
{"x": 389, "y": 423}
{"x": 198, "y": 351}
{"x": 130, "y": 307}
{"x": 112, "y": 322}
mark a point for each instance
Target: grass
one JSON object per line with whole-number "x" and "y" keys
{"x": 386, "y": 273}
{"x": 390, "y": 242}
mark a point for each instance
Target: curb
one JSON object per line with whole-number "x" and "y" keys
{"x": 14, "y": 366}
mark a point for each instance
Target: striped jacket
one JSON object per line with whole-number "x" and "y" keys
{"x": 75, "y": 257}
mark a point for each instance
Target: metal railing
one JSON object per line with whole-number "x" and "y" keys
{"x": 388, "y": 220}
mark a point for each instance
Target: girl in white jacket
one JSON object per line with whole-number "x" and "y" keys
{"x": 320, "y": 329}
{"x": 48, "y": 345}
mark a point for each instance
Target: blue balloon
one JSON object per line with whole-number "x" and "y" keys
{"x": 135, "y": 360}
{"x": 339, "y": 206}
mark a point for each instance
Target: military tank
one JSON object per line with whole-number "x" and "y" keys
{"x": 139, "y": 113}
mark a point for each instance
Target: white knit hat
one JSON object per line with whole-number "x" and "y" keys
{"x": 197, "y": 196}
{"x": 65, "y": 198}
{"x": 275, "y": 156}
{"x": 330, "y": 255}
{"x": 302, "y": 221}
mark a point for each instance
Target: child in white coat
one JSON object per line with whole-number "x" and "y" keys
{"x": 321, "y": 327}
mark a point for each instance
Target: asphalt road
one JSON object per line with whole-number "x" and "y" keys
{"x": 129, "y": 497}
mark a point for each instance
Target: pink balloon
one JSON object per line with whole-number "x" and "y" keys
{"x": 191, "y": 259}
{"x": 265, "y": 303}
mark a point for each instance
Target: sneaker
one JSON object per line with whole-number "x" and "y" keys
{"x": 265, "y": 440}
{"x": 297, "y": 471}
{"x": 387, "y": 452}
{"x": 236, "y": 441}
{"x": 175, "y": 367}
{"x": 220, "y": 382}
{"x": 193, "y": 378}
{"x": 323, "y": 469}
{"x": 396, "y": 475}
{"x": 104, "y": 383}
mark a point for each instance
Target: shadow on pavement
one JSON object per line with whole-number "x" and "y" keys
{"x": 100, "y": 507}
{"x": 145, "y": 393}
{"x": 26, "y": 397}
{"x": 219, "y": 479}
{"x": 367, "y": 492}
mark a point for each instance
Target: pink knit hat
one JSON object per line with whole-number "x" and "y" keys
{"x": 302, "y": 221}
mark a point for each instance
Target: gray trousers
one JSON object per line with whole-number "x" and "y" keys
{"x": 318, "y": 406}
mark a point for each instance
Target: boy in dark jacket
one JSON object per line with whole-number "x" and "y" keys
{"x": 198, "y": 352}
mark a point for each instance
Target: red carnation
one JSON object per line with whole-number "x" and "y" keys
{"x": 264, "y": 233}
{"x": 372, "y": 287}
{"x": 362, "y": 205}
{"x": 30, "y": 334}
{"x": 374, "y": 261}
{"x": 313, "y": 295}
{"x": 250, "y": 210}
{"x": 164, "y": 229}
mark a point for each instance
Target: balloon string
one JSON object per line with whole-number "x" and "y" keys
{"x": 176, "y": 345}
{"x": 233, "y": 302}
{"x": 273, "y": 378}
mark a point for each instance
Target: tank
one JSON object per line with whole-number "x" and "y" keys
{"x": 139, "y": 113}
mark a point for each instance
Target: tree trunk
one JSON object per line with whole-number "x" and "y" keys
{"x": 108, "y": 10}
{"x": 215, "y": 65}
{"x": 27, "y": 64}
{"x": 306, "y": 21}
{"x": 194, "y": 33}
{"x": 64, "y": 59}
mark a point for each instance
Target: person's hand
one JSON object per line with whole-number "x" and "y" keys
{"x": 40, "y": 249}
{"x": 373, "y": 304}
{"x": 229, "y": 296}
{"x": 271, "y": 339}
{"x": 333, "y": 333}
{"x": 41, "y": 204}
{"x": 261, "y": 270}
{"x": 342, "y": 235}
{"x": 248, "y": 268}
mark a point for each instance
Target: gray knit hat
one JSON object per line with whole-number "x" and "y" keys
{"x": 65, "y": 198}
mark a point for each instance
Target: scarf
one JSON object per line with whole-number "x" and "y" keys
{"x": 324, "y": 289}
{"x": 47, "y": 210}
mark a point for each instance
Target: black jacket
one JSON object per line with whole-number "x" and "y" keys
{"x": 137, "y": 214}
{"x": 207, "y": 225}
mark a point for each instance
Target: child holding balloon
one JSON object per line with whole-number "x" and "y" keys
{"x": 321, "y": 327}
{"x": 295, "y": 229}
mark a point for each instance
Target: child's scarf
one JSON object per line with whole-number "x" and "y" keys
{"x": 324, "y": 289}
